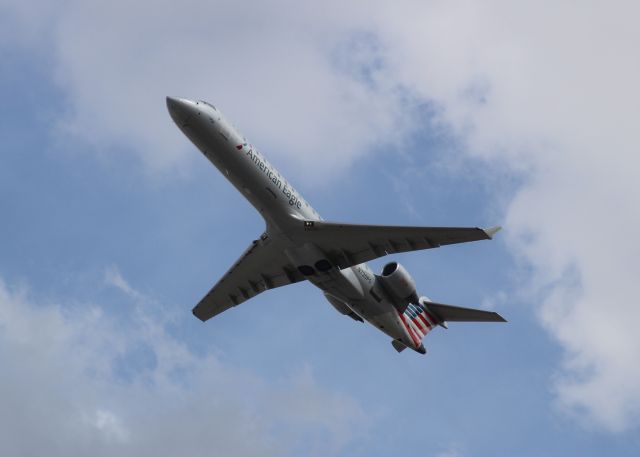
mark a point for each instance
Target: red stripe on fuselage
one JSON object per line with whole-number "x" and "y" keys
{"x": 426, "y": 322}
{"x": 410, "y": 331}
{"x": 431, "y": 317}
{"x": 423, "y": 328}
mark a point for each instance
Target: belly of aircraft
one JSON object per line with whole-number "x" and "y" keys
{"x": 382, "y": 315}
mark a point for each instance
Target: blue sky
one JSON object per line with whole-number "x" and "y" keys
{"x": 114, "y": 226}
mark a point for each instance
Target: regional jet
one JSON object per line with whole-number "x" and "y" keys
{"x": 299, "y": 245}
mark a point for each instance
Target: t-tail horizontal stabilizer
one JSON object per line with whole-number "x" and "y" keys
{"x": 458, "y": 314}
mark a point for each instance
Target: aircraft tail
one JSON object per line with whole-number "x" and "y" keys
{"x": 419, "y": 319}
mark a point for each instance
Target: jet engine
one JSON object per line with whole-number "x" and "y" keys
{"x": 399, "y": 283}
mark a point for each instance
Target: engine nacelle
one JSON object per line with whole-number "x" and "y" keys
{"x": 342, "y": 308}
{"x": 399, "y": 283}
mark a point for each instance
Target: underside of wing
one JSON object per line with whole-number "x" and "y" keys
{"x": 458, "y": 314}
{"x": 261, "y": 267}
{"x": 351, "y": 244}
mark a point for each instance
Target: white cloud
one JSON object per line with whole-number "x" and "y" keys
{"x": 112, "y": 277}
{"x": 550, "y": 91}
{"x": 290, "y": 76}
{"x": 546, "y": 88}
{"x": 452, "y": 451}
{"x": 110, "y": 425}
{"x": 64, "y": 392}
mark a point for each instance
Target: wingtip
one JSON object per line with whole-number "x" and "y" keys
{"x": 492, "y": 231}
{"x": 195, "y": 312}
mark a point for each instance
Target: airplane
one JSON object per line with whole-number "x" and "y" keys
{"x": 299, "y": 245}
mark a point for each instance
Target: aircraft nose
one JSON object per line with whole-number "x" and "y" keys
{"x": 180, "y": 109}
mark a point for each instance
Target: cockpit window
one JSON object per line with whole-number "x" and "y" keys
{"x": 208, "y": 104}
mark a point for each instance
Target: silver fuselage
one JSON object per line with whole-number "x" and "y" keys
{"x": 285, "y": 211}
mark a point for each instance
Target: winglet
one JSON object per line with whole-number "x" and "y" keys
{"x": 492, "y": 231}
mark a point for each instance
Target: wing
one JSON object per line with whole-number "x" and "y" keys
{"x": 347, "y": 245}
{"x": 261, "y": 267}
{"x": 459, "y": 314}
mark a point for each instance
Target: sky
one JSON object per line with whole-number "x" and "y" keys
{"x": 458, "y": 113}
